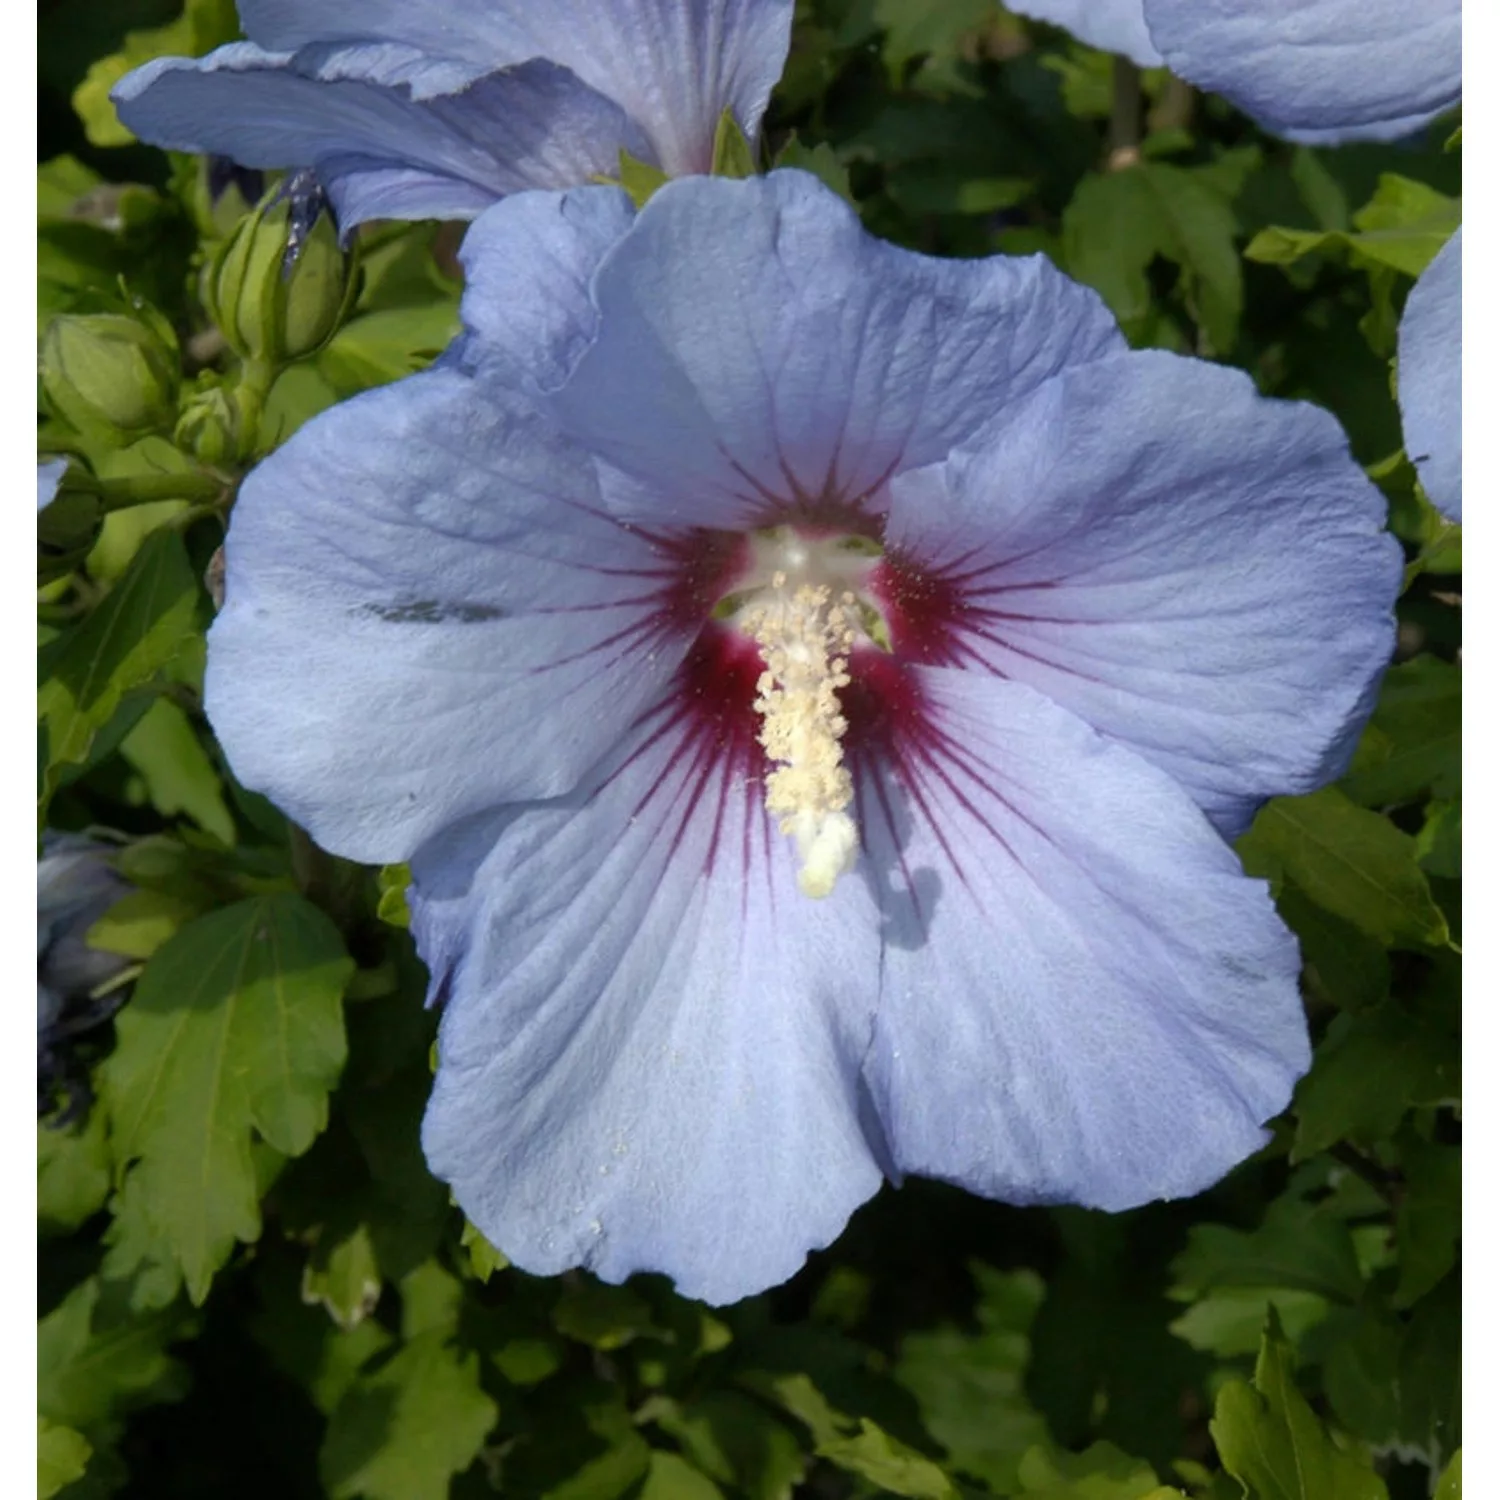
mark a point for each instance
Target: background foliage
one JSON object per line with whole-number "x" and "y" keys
{"x": 249, "y": 1282}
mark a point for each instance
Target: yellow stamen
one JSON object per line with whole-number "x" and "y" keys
{"x": 800, "y": 636}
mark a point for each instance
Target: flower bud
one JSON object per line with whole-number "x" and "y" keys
{"x": 210, "y": 426}
{"x": 112, "y": 376}
{"x": 271, "y": 306}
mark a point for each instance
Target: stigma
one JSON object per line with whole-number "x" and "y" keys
{"x": 805, "y": 635}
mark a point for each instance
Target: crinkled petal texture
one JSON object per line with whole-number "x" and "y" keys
{"x": 674, "y": 66}
{"x": 649, "y": 1057}
{"x": 413, "y": 582}
{"x": 1195, "y": 570}
{"x": 1049, "y": 981}
{"x": 1111, "y": 25}
{"x": 1429, "y": 378}
{"x": 528, "y": 262}
{"x": 755, "y": 346}
{"x": 48, "y": 476}
{"x": 379, "y": 150}
{"x": 1083, "y": 998}
{"x": 1319, "y": 71}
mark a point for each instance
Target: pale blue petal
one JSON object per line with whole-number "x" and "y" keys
{"x": 649, "y": 1055}
{"x": 673, "y": 65}
{"x": 379, "y": 152}
{"x": 1083, "y": 998}
{"x": 1111, "y": 25}
{"x": 1190, "y": 567}
{"x": 425, "y": 616}
{"x": 527, "y": 265}
{"x": 1429, "y": 378}
{"x": 755, "y": 345}
{"x": 48, "y": 476}
{"x": 1319, "y": 71}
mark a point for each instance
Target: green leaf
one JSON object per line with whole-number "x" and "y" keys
{"x": 673, "y": 1478}
{"x": 403, "y": 1431}
{"x": 139, "y": 629}
{"x": 639, "y": 178}
{"x": 603, "y": 1317}
{"x": 1368, "y": 1071}
{"x": 1118, "y": 222}
{"x": 732, "y": 154}
{"x": 376, "y": 348}
{"x": 236, "y": 1025}
{"x": 1294, "y": 1247}
{"x": 1428, "y": 1220}
{"x": 737, "y": 1442}
{"x": 1101, "y": 1472}
{"x": 971, "y": 1387}
{"x": 887, "y": 1462}
{"x": 1402, "y": 227}
{"x": 178, "y": 774}
{"x": 1339, "y": 962}
{"x": 1228, "y": 1322}
{"x": 1411, "y": 749}
{"x": 1269, "y": 1439}
{"x": 935, "y": 29}
{"x": 203, "y": 25}
{"x": 1451, "y": 1485}
{"x": 484, "y": 1259}
{"x": 72, "y": 1174}
{"x": 140, "y": 922}
{"x": 96, "y": 1359}
{"x": 391, "y": 881}
{"x": 344, "y": 1277}
{"x": 61, "y": 1457}
{"x": 1440, "y": 842}
{"x": 821, "y": 160}
{"x": 1349, "y": 860}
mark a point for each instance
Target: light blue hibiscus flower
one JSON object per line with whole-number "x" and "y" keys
{"x": 1429, "y": 378}
{"x": 798, "y": 671}
{"x": 49, "y": 475}
{"x": 412, "y": 110}
{"x": 1317, "y": 71}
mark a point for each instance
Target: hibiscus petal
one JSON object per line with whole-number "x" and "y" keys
{"x": 1191, "y": 568}
{"x": 380, "y": 153}
{"x": 649, "y": 1057}
{"x": 48, "y": 476}
{"x": 393, "y": 653}
{"x": 754, "y": 341}
{"x": 1083, "y": 998}
{"x": 1111, "y": 25}
{"x": 1319, "y": 71}
{"x": 1429, "y": 378}
{"x": 674, "y": 65}
{"x": 527, "y": 266}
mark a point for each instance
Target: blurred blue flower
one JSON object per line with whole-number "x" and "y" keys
{"x": 49, "y": 474}
{"x": 797, "y": 671}
{"x": 1316, "y": 71}
{"x": 435, "y": 110}
{"x": 1429, "y": 378}
{"x": 75, "y": 885}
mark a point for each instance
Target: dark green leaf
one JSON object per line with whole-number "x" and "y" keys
{"x": 139, "y": 629}
{"x": 1411, "y": 749}
{"x": 1368, "y": 1071}
{"x": 1295, "y": 1247}
{"x": 1349, "y": 860}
